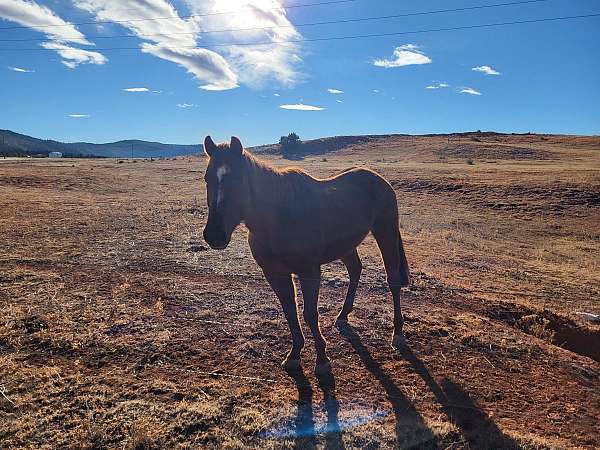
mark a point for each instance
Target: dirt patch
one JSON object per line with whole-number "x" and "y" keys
{"x": 550, "y": 327}
{"x": 33, "y": 324}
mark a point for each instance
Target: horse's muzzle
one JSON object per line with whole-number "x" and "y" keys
{"x": 217, "y": 240}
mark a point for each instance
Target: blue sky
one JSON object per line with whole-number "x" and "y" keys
{"x": 548, "y": 73}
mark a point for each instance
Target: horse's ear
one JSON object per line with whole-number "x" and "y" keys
{"x": 236, "y": 145}
{"x": 209, "y": 146}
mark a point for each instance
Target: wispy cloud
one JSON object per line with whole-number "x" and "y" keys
{"x": 185, "y": 105}
{"x": 79, "y": 116}
{"x": 61, "y": 35}
{"x": 173, "y": 40}
{"x": 72, "y": 57}
{"x": 340, "y": 101}
{"x": 136, "y": 89}
{"x": 376, "y": 91}
{"x": 405, "y": 55}
{"x": 437, "y": 85}
{"x": 487, "y": 70}
{"x": 276, "y": 95}
{"x": 18, "y": 69}
{"x": 468, "y": 90}
{"x": 207, "y": 66}
{"x": 302, "y": 107}
{"x": 335, "y": 91}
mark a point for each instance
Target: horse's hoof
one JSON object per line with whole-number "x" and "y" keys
{"x": 323, "y": 368}
{"x": 398, "y": 341}
{"x": 291, "y": 364}
{"x": 341, "y": 322}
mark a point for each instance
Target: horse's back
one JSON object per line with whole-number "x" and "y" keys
{"x": 365, "y": 182}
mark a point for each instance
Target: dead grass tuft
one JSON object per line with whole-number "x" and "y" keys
{"x": 537, "y": 326}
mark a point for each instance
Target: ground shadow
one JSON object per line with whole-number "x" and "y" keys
{"x": 333, "y": 435}
{"x": 411, "y": 429}
{"x": 304, "y": 435}
{"x": 475, "y": 425}
{"x": 304, "y": 423}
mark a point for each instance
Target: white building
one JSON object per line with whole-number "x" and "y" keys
{"x": 55, "y": 155}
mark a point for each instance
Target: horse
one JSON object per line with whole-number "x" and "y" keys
{"x": 296, "y": 223}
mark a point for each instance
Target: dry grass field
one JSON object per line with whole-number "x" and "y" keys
{"x": 121, "y": 330}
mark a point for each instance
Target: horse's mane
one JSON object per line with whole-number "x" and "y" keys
{"x": 285, "y": 182}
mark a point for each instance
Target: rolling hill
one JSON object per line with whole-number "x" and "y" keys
{"x": 15, "y": 144}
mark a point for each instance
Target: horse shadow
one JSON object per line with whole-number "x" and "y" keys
{"x": 411, "y": 429}
{"x": 476, "y": 427}
{"x": 304, "y": 423}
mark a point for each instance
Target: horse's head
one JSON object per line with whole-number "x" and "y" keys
{"x": 224, "y": 190}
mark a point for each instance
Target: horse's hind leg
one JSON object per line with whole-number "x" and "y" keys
{"x": 283, "y": 286}
{"x": 387, "y": 235}
{"x": 310, "y": 281}
{"x": 354, "y": 267}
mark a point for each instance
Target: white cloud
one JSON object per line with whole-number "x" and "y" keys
{"x": 72, "y": 57}
{"x": 340, "y": 101}
{"x": 335, "y": 91}
{"x": 185, "y": 105}
{"x": 204, "y": 64}
{"x": 255, "y": 65}
{"x": 302, "y": 107}
{"x": 276, "y": 95}
{"x": 468, "y": 90}
{"x": 487, "y": 70}
{"x": 18, "y": 69}
{"x": 137, "y": 89}
{"x": 173, "y": 40}
{"x": 405, "y": 55}
{"x": 376, "y": 91}
{"x": 437, "y": 85}
{"x": 79, "y": 116}
{"x": 58, "y": 32}
{"x": 41, "y": 18}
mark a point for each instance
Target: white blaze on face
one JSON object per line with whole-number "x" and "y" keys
{"x": 221, "y": 172}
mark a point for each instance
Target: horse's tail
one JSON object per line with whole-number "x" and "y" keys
{"x": 404, "y": 269}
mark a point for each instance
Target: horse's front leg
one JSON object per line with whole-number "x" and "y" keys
{"x": 283, "y": 286}
{"x": 310, "y": 281}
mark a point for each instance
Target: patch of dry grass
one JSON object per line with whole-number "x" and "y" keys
{"x": 115, "y": 316}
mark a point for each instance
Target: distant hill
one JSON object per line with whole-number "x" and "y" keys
{"x": 334, "y": 143}
{"x": 15, "y": 144}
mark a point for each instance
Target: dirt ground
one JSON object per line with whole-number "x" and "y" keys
{"x": 120, "y": 329}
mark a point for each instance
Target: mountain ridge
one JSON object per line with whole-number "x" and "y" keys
{"x": 17, "y": 144}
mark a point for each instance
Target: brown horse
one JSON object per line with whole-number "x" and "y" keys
{"x": 296, "y": 223}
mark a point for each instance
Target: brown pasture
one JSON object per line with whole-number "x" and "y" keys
{"x": 121, "y": 329}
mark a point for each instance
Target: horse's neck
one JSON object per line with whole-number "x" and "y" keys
{"x": 264, "y": 189}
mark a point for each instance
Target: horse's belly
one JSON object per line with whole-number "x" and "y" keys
{"x": 338, "y": 248}
{"x": 299, "y": 251}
